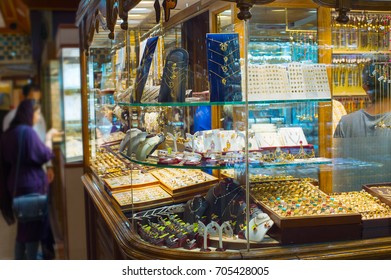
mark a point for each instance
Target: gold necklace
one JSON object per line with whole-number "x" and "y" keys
{"x": 381, "y": 124}
{"x": 225, "y": 57}
{"x": 223, "y": 45}
{"x": 170, "y": 84}
{"x": 224, "y": 79}
{"x": 224, "y": 67}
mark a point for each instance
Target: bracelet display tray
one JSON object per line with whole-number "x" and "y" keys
{"x": 380, "y": 227}
{"x": 310, "y": 229}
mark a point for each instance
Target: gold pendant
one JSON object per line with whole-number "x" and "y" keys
{"x": 223, "y": 46}
{"x": 224, "y": 81}
{"x": 224, "y": 68}
{"x": 254, "y": 227}
{"x": 171, "y": 85}
{"x": 225, "y": 59}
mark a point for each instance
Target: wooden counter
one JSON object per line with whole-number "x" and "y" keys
{"x": 109, "y": 236}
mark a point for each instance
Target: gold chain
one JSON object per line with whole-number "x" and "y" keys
{"x": 223, "y": 45}
{"x": 224, "y": 67}
{"x": 224, "y": 79}
{"x": 225, "y": 57}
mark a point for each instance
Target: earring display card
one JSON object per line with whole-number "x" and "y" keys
{"x": 296, "y": 80}
{"x": 230, "y": 140}
{"x": 292, "y": 136}
{"x": 144, "y": 67}
{"x": 276, "y": 81}
{"x": 316, "y": 81}
{"x": 211, "y": 141}
{"x": 197, "y": 140}
{"x": 142, "y": 198}
{"x": 224, "y": 67}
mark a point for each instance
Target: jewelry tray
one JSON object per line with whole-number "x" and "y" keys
{"x": 382, "y": 226}
{"x": 125, "y": 182}
{"x": 316, "y": 228}
{"x": 189, "y": 190}
{"x": 143, "y": 198}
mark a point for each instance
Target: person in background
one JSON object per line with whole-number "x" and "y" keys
{"x": 338, "y": 112}
{"x": 33, "y": 92}
{"x": 376, "y": 119}
{"x": 31, "y": 177}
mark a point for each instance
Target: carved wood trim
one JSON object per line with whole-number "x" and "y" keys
{"x": 357, "y": 5}
{"x": 123, "y": 8}
{"x": 111, "y": 16}
{"x": 131, "y": 246}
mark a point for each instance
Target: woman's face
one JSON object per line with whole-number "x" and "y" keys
{"x": 36, "y": 116}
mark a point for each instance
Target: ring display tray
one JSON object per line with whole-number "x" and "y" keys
{"x": 381, "y": 191}
{"x": 311, "y": 228}
{"x": 382, "y": 226}
{"x": 143, "y": 198}
{"x": 134, "y": 180}
{"x": 191, "y": 181}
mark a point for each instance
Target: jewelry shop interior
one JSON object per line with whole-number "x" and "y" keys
{"x": 221, "y": 129}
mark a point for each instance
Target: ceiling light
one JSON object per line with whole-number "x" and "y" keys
{"x": 140, "y": 10}
{"x": 278, "y": 10}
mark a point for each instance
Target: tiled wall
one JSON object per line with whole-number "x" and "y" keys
{"x": 14, "y": 48}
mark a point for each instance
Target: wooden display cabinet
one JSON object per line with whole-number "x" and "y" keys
{"x": 110, "y": 231}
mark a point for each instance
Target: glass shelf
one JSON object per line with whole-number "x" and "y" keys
{"x": 153, "y": 161}
{"x": 203, "y": 103}
{"x": 360, "y": 52}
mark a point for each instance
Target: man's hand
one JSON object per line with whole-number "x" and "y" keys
{"x": 50, "y": 174}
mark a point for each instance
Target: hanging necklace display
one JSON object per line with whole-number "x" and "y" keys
{"x": 145, "y": 65}
{"x": 224, "y": 74}
{"x": 223, "y": 45}
{"x": 174, "y": 79}
{"x": 226, "y": 57}
{"x": 224, "y": 78}
{"x": 224, "y": 67}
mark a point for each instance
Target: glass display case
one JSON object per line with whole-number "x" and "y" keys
{"x": 52, "y": 86}
{"x": 223, "y": 141}
{"x": 71, "y": 104}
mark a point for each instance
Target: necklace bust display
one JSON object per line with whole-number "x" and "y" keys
{"x": 259, "y": 226}
{"x": 221, "y": 196}
{"x": 195, "y": 209}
